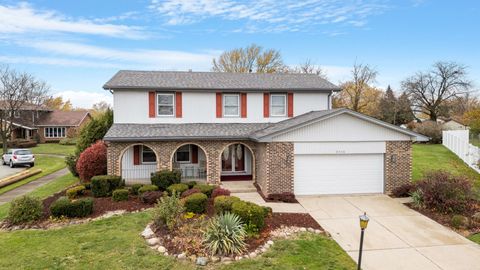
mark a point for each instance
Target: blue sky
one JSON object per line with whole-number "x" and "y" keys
{"x": 76, "y": 46}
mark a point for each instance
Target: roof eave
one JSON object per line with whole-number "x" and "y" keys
{"x": 212, "y": 89}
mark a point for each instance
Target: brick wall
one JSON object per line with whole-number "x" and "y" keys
{"x": 398, "y": 164}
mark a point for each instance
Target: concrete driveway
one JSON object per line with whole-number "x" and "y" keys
{"x": 396, "y": 238}
{"x": 7, "y": 171}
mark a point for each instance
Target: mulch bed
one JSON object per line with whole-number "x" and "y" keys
{"x": 267, "y": 199}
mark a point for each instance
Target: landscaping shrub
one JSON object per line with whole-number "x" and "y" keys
{"x": 267, "y": 211}
{"x": 164, "y": 178}
{"x": 25, "y": 209}
{"x": 190, "y": 192}
{"x": 71, "y": 161}
{"x": 92, "y": 161}
{"x": 195, "y": 203}
{"x": 77, "y": 208}
{"x": 417, "y": 198}
{"x": 458, "y": 221}
{"x": 223, "y": 204}
{"x": 68, "y": 141}
{"x": 178, "y": 188}
{"x": 446, "y": 193}
{"x": 167, "y": 211}
{"x": 147, "y": 188}
{"x": 120, "y": 195}
{"x": 431, "y": 129}
{"x": 135, "y": 188}
{"x": 225, "y": 235}
{"x": 251, "y": 214}
{"x": 403, "y": 191}
{"x": 151, "y": 197}
{"x": 104, "y": 185}
{"x": 206, "y": 189}
{"x": 74, "y": 192}
{"x": 218, "y": 191}
{"x": 94, "y": 130}
{"x": 191, "y": 184}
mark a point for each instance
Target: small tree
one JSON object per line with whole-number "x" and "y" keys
{"x": 92, "y": 161}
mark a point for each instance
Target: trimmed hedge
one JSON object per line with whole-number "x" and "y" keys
{"x": 223, "y": 203}
{"x": 73, "y": 192}
{"x": 206, "y": 189}
{"x": 218, "y": 191}
{"x": 147, "y": 188}
{"x": 164, "y": 178}
{"x": 25, "y": 209}
{"x": 178, "y": 188}
{"x": 251, "y": 214}
{"x": 104, "y": 185}
{"x": 120, "y": 195}
{"x": 151, "y": 197}
{"x": 135, "y": 188}
{"x": 195, "y": 203}
{"x": 78, "y": 208}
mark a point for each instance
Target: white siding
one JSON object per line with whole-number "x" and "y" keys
{"x": 135, "y": 173}
{"x": 340, "y": 128}
{"x": 131, "y": 106}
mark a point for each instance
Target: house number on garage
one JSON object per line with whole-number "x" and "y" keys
{"x": 341, "y": 152}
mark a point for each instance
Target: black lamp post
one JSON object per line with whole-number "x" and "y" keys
{"x": 363, "y": 225}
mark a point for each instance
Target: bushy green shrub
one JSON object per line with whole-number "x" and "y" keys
{"x": 167, "y": 211}
{"x": 147, "y": 188}
{"x": 267, "y": 211}
{"x": 151, "y": 197}
{"x": 225, "y": 235}
{"x": 251, "y": 214}
{"x": 191, "y": 184}
{"x": 74, "y": 192}
{"x": 195, "y": 203}
{"x": 135, "y": 188}
{"x": 66, "y": 208}
{"x": 458, "y": 221}
{"x": 68, "y": 141}
{"x": 223, "y": 204}
{"x": 178, "y": 188}
{"x": 164, "y": 178}
{"x": 94, "y": 130}
{"x": 25, "y": 209}
{"x": 71, "y": 161}
{"x": 120, "y": 195}
{"x": 417, "y": 198}
{"x": 104, "y": 185}
{"x": 206, "y": 189}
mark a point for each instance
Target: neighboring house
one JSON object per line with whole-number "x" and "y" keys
{"x": 451, "y": 124}
{"x": 276, "y": 129}
{"x": 38, "y": 123}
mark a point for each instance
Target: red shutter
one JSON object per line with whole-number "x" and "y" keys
{"x": 243, "y": 104}
{"x": 136, "y": 155}
{"x": 290, "y": 104}
{"x": 219, "y": 105}
{"x": 178, "y": 104}
{"x": 194, "y": 153}
{"x": 266, "y": 105}
{"x": 151, "y": 104}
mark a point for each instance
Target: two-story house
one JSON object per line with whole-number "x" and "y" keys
{"x": 278, "y": 130}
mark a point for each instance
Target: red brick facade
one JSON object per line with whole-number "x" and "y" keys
{"x": 398, "y": 164}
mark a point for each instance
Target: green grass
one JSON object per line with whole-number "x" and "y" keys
{"x": 46, "y": 190}
{"x": 115, "y": 243}
{"x": 475, "y": 238}
{"x": 430, "y": 157}
{"x": 53, "y": 149}
{"x": 48, "y": 166}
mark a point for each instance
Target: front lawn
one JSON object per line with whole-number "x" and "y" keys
{"x": 475, "y": 238}
{"x": 48, "y": 165}
{"x": 53, "y": 149}
{"x": 430, "y": 157}
{"x": 115, "y": 243}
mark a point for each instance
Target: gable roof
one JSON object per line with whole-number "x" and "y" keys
{"x": 179, "y": 80}
{"x": 26, "y": 106}
{"x": 63, "y": 118}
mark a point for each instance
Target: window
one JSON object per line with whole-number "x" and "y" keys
{"x": 148, "y": 156}
{"x": 183, "y": 154}
{"x": 278, "y": 105}
{"x": 231, "y": 105}
{"x": 55, "y": 132}
{"x": 16, "y": 114}
{"x": 165, "y": 104}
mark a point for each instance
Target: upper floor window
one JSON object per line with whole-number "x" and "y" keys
{"x": 55, "y": 132}
{"x": 278, "y": 105}
{"x": 166, "y": 104}
{"x": 231, "y": 105}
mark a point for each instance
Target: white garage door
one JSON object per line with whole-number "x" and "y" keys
{"x": 338, "y": 174}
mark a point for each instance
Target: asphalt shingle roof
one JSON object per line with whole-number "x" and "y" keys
{"x": 172, "y": 80}
{"x": 62, "y": 118}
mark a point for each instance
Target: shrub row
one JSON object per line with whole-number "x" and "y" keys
{"x": 77, "y": 208}
{"x": 74, "y": 192}
{"x": 120, "y": 195}
{"x": 104, "y": 185}
{"x": 25, "y": 209}
{"x": 147, "y": 188}
{"x": 196, "y": 203}
{"x": 164, "y": 178}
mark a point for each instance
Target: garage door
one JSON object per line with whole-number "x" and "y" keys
{"x": 338, "y": 174}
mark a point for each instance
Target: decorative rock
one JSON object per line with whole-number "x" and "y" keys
{"x": 311, "y": 230}
{"x": 238, "y": 258}
{"x": 162, "y": 249}
{"x": 182, "y": 256}
{"x": 318, "y": 231}
{"x": 147, "y": 233}
{"x": 202, "y": 261}
{"x": 193, "y": 258}
{"x": 226, "y": 259}
{"x": 264, "y": 250}
{"x": 153, "y": 241}
{"x": 214, "y": 259}
{"x": 252, "y": 255}
{"x": 270, "y": 242}
{"x": 476, "y": 217}
{"x": 166, "y": 253}
{"x": 303, "y": 229}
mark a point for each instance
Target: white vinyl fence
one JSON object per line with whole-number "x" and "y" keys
{"x": 458, "y": 142}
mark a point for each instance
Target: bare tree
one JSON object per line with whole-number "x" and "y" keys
{"x": 430, "y": 90}
{"x": 16, "y": 90}
{"x": 249, "y": 59}
{"x": 309, "y": 67}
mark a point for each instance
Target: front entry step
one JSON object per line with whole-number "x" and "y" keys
{"x": 239, "y": 186}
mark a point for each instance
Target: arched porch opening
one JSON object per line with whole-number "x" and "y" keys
{"x": 191, "y": 160}
{"x": 237, "y": 163}
{"x": 138, "y": 162}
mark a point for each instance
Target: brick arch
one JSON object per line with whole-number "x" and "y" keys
{"x": 124, "y": 149}
{"x": 252, "y": 153}
{"x": 207, "y": 158}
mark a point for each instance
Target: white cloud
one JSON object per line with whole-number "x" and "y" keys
{"x": 23, "y": 18}
{"x": 271, "y": 15}
{"x": 84, "y": 99}
{"x": 55, "y": 61}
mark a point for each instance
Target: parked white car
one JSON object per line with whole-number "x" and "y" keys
{"x": 15, "y": 157}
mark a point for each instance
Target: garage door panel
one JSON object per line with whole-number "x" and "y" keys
{"x": 338, "y": 174}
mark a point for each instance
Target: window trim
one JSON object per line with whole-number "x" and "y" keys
{"x": 64, "y": 135}
{"x": 147, "y": 162}
{"x": 158, "y": 105}
{"x": 224, "y": 104}
{"x": 189, "y": 155}
{"x": 285, "y": 105}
